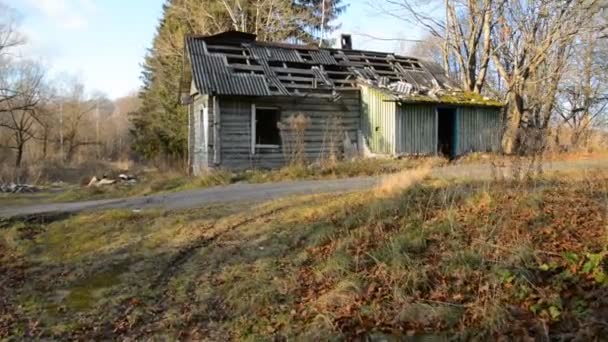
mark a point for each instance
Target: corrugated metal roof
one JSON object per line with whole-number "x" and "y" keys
{"x": 323, "y": 57}
{"x": 275, "y": 54}
{"x": 235, "y": 64}
{"x": 213, "y": 75}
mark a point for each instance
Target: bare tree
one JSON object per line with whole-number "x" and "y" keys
{"x": 531, "y": 47}
{"x": 464, "y": 34}
{"x": 10, "y": 37}
{"x": 583, "y": 96}
{"x": 19, "y": 111}
{"x": 528, "y": 44}
{"x": 115, "y": 130}
{"x": 78, "y": 120}
{"x": 271, "y": 20}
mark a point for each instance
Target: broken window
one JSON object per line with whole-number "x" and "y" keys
{"x": 266, "y": 132}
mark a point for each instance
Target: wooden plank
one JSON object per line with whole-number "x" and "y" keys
{"x": 240, "y": 66}
{"x": 212, "y": 48}
{"x": 296, "y": 79}
{"x": 316, "y": 103}
{"x": 217, "y": 117}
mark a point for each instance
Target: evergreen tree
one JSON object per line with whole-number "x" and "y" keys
{"x": 160, "y": 126}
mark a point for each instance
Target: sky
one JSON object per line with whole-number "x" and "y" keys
{"x": 103, "y": 42}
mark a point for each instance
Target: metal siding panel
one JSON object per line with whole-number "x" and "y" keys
{"x": 378, "y": 112}
{"x": 418, "y": 128}
{"x": 478, "y": 130}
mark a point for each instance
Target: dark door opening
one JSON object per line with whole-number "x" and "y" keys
{"x": 266, "y": 126}
{"x": 446, "y": 132}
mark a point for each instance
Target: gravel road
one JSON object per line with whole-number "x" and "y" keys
{"x": 262, "y": 192}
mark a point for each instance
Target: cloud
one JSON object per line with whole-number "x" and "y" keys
{"x": 67, "y": 14}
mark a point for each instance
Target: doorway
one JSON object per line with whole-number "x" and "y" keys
{"x": 446, "y": 132}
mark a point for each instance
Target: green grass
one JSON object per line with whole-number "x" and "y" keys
{"x": 438, "y": 259}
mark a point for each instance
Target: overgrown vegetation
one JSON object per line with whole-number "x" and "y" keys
{"x": 479, "y": 260}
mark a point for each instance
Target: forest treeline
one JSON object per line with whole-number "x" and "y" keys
{"x": 50, "y": 122}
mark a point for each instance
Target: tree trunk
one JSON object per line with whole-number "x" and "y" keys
{"x": 45, "y": 144}
{"x": 512, "y": 122}
{"x": 70, "y": 153}
{"x": 19, "y": 157}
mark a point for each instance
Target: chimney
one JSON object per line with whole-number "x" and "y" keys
{"x": 346, "y": 42}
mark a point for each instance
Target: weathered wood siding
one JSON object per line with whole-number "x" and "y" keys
{"x": 235, "y": 131}
{"x": 198, "y": 148}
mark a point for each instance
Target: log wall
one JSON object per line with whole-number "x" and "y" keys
{"x": 235, "y": 131}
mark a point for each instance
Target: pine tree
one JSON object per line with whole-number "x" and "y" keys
{"x": 160, "y": 125}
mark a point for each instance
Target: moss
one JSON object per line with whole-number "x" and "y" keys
{"x": 85, "y": 293}
{"x": 456, "y": 98}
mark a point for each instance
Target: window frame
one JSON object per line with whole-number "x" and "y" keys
{"x": 254, "y": 145}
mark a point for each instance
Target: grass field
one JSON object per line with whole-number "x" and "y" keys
{"x": 429, "y": 259}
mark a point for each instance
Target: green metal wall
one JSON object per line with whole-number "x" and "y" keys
{"x": 416, "y": 131}
{"x": 392, "y": 128}
{"x": 378, "y": 121}
{"x": 478, "y": 130}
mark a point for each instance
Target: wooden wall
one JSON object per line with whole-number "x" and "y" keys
{"x": 235, "y": 128}
{"x": 198, "y": 152}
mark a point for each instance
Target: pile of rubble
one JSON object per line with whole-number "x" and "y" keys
{"x": 12, "y": 188}
{"x": 104, "y": 180}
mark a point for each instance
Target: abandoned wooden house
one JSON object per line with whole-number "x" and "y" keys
{"x": 244, "y": 94}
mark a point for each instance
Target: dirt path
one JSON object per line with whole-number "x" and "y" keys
{"x": 263, "y": 192}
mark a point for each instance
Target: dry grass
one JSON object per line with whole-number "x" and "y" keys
{"x": 401, "y": 181}
{"x": 293, "y": 133}
{"x": 509, "y": 259}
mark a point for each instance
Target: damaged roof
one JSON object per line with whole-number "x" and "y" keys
{"x": 234, "y": 63}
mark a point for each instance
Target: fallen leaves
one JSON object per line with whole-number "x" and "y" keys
{"x": 500, "y": 262}
{"x": 560, "y": 221}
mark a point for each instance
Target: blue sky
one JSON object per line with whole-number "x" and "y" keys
{"x": 103, "y": 42}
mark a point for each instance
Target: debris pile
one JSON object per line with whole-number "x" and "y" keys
{"x": 104, "y": 180}
{"x": 12, "y": 188}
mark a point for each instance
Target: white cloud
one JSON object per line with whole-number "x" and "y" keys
{"x": 68, "y": 14}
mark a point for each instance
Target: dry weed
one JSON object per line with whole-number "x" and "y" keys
{"x": 293, "y": 134}
{"x": 400, "y": 181}
{"x": 333, "y": 139}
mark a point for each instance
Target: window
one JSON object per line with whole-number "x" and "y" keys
{"x": 265, "y": 131}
